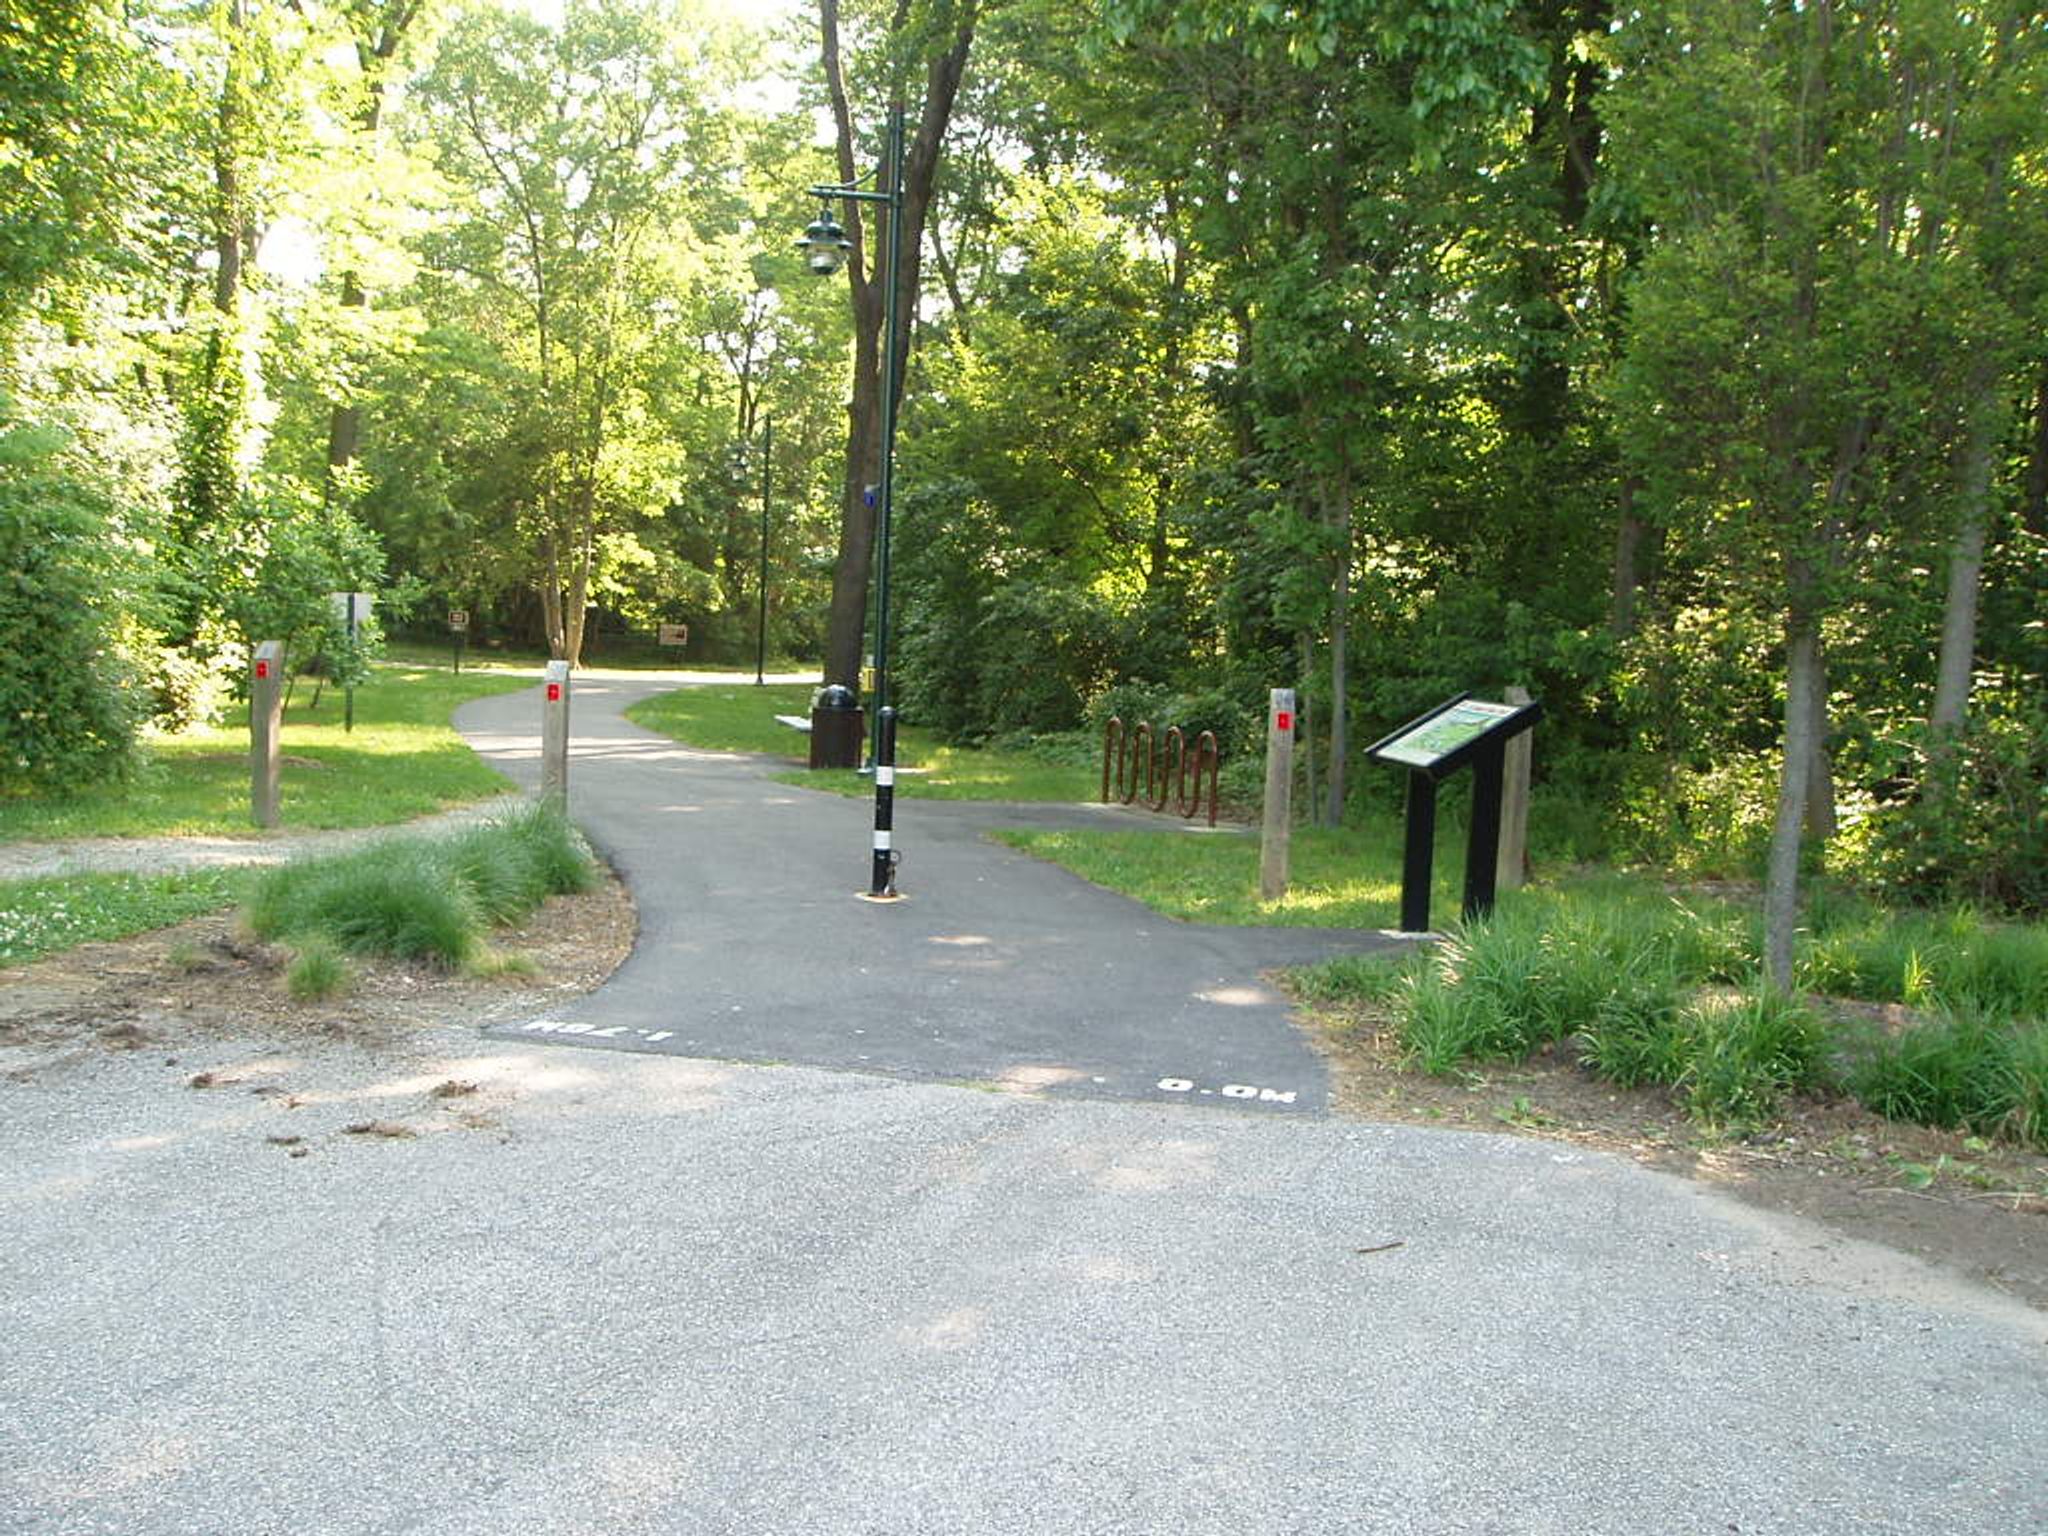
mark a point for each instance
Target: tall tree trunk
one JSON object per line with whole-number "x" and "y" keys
{"x": 215, "y": 403}
{"x": 345, "y": 420}
{"x": 374, "y": 52}
{"x": 846, "y": 620}
{"x": 2034, "y": 493}
{"x": 1803, "y": 709}
{"x": 1563, "y": 147}
{"x": 1820, "y": 766}
{"x": 1638, "y": 545}
{"x": 1340, "y": 649}
{"x": 1305, "y": 644}
{"x": 550, "y": 587}
{"x": 1958, "y": 655}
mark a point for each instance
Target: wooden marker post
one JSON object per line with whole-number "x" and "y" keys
{"x": 554, "y": 735}
{"x": 266, "y": 727}
{"x": 1279, "y": 821}
{"x": 1514, "y": 811}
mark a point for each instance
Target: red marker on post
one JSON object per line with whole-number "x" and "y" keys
{"x": 1283, "y": 721}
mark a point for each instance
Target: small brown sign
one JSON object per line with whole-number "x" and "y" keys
{"x": 675, "y": 634}
{"x": 458, "y": 618}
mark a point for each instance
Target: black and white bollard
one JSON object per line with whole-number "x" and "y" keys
{"x": 882, "y": 885}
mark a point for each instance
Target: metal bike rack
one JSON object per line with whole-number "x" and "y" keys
{"x": 1137, "y": 761}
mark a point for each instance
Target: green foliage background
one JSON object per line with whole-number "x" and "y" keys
{"x": 1385, "y": 351}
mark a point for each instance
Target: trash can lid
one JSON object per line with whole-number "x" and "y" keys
{"x": 834, "y": 696}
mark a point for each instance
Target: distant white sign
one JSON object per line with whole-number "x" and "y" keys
{"x": 675, "y": 634}
{"x": 352, "y": 607}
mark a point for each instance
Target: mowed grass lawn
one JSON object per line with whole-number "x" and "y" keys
{"x": 403, "y": 759}
{"x": 1348, "y": 878}
{"x": 741, "y": 718}
{"x": 40, "y": 917}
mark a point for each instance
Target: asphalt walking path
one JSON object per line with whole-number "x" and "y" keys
{"x": 449, "y": 1286}
{"x": 993, "y": 967}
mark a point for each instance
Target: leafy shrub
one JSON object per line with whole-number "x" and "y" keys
{"x": 68, "y": 703}
{"x": 1967, "y": 817}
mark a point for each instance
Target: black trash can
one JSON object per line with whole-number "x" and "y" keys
{"x": 838, "y": 726}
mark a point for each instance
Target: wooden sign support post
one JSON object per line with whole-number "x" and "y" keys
{"x": 1513, "y": 866}
{"x": 266, "y": 727}
{"x": 1279, "y": 817}
{"x": 554, "y": 736}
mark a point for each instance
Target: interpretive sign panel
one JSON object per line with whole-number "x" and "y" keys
{"x": 1444, "y": 740}
{"x": 1436, "y": 737}
{"x": 1432, "y": 747}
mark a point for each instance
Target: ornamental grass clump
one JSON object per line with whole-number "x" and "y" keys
{"x": 1954, "y": 959}
{"x": 424, "y": 898}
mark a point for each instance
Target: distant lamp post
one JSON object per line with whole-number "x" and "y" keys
{"x": 761, "y": 592}
{"x": 742, "y": 462}
{"x": 825, "y": 247}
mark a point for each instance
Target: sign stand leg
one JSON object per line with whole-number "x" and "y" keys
{"x": 1482, "y": 841}
{"x": 1420, "y": 853}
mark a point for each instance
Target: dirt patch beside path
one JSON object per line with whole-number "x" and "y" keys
{"x": 1978, "y": 1208}
{"x": 208, "y": 978}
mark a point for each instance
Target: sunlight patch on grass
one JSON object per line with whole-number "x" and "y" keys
{"x": 403, "y": 759}
{"x": 1343, "y": 879}
{"x": 718, "y": 718}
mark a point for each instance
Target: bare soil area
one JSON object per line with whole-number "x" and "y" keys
{"x": 1977, "y": 1207}
{"x": 208, "y": 978}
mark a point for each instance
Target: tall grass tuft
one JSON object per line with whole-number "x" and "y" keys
{"x": 1744, "y": 1054}
{"x": 1543, "y": 967}
{"x": 1966, "y": 1068}
{"x": 1955, "y": 958}
{"x": 2028, "y": 1119}
{"x": 424, "y": 898}
{"x": 1353, "y": 978}
{"x": 317, "y": 971}
{"x": 511, "y": 866}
